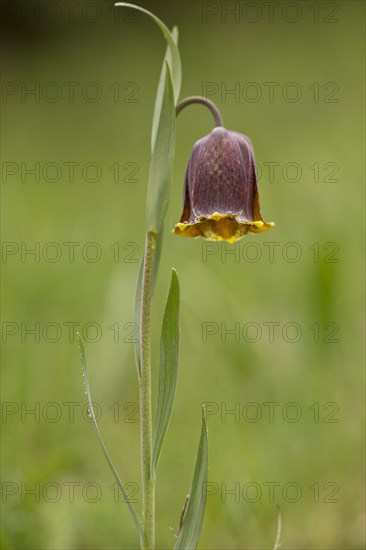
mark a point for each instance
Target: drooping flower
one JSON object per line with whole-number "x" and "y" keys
{"x": 221, "y": 199}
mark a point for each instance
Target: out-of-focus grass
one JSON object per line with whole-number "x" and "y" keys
{"x": 225, "y": 373}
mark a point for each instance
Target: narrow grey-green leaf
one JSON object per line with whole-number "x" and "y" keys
{"x": 190, "y": 530}
{"x": 161, "y": 165}
{"x": 172, "y": 57}
{"x": 169, "y": 357}
{"x": 176, "y": 66}
{"x": 160, "y": 90}
{"x": 91, "y": 413}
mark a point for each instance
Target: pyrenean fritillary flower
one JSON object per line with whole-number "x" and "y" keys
{"x": 221, "y": 199}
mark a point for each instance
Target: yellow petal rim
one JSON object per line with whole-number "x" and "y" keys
{"x": 220, "y": 227}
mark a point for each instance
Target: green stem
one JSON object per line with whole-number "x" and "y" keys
{"x": 148, "y": 482}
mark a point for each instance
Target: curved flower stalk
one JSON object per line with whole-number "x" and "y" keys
{"x": 221, "y": 203}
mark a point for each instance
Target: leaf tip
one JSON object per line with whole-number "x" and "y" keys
{"x": 175, "y": 33}
{"x": 80, "y": 342}
{"x": 175, "y": 277}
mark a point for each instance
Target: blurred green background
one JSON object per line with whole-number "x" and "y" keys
{"x": 311, "y": 450}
